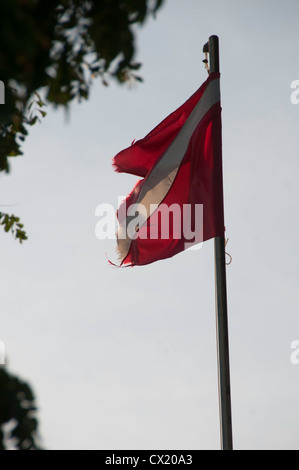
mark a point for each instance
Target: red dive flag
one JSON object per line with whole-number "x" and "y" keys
{"x": 180, "y": 165}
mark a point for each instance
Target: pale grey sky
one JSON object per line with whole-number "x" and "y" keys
{"x": 126, "y": 358}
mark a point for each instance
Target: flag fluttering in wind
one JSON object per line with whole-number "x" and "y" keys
{"x": 179, "y": 200}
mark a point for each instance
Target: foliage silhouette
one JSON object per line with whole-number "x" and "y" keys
{"x": 58, "y": 47}
{"x": 18, "y": 422}
{"x": 12, "y": 224}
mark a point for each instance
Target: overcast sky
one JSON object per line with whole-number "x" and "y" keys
{"x": 126, "y": 358}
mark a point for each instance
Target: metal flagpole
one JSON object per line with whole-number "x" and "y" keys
{"x": 212, "y": 47}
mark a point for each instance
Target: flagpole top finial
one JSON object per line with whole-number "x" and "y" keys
{"x": 206, "y": 47}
